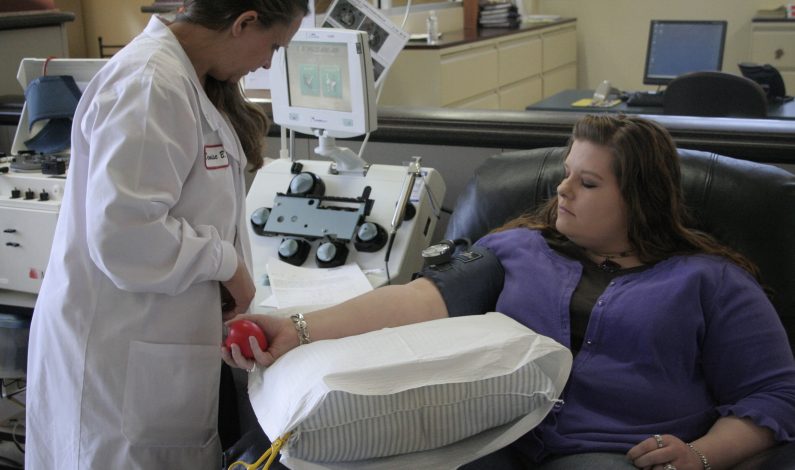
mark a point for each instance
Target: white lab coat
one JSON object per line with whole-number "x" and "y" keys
{"x": 124, "y": 359}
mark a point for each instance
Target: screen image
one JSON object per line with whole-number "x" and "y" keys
{"x": 322, "y": 83}
{"x": 318, "y": 76}
{"x": 679, "y": 47}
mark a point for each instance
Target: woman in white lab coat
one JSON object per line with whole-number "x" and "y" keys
{"x": 123, "y": 370}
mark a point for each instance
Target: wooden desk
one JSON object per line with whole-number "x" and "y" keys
{"x": 499, "y": 68}
{"x": 563, "y": 100}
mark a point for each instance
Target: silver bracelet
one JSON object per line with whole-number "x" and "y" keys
{"x": 701, "y": 456}
{"x": 300, "y": 327}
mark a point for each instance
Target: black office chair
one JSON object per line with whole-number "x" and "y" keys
{"x": 746, "y": 205}
{"x": 715, "y": 94}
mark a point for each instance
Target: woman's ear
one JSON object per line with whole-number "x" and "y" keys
{"x": 243, "y": 21}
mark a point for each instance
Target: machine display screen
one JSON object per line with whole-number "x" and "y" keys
{"x": 318, "y": 75}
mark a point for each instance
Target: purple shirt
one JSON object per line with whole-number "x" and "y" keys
{"x": 667, "y": 350}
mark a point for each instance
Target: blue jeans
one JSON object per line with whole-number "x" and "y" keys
{"x": 780, "y": 457}
{"x": 510, "y": 459}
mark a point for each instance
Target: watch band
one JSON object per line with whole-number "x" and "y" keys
{"x": 301, "y": 328}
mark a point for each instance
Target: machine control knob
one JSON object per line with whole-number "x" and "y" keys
{"x": 288, "y": 247}
{"x": 370, "y": 237}
{"x": 29, "y": 194}
{"x": 44, "y": 195}
{"x": 15, "y": 193}
{"x": 258, "y": 220}
{"x": 307, "y": 184}
{"x": 294, "y": 251}
{"x": 331, "y": 254}
{"x": 367, "y": 231}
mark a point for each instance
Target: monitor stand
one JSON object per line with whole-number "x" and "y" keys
{"x": 345, "y": 160}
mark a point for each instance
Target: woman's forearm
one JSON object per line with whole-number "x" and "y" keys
{"x": 387, "y": 306}
{"x": 732, "y": 440}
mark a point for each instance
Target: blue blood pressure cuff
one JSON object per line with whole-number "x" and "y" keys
{"x": 53, "y": 98}
{"x": 470, "y": 282}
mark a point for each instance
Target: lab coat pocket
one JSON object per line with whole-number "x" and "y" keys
{"x": 170, "y": 395}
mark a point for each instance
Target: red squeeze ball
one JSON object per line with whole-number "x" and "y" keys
{"x": 238, "y": 333}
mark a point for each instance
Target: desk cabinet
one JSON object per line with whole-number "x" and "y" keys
{"x": 773, "y": 42}
{"x": 505, "y": 72}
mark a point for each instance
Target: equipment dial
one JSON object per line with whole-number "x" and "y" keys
{"x": 439, "y": 253}
{"x": 370, "y": 237}
{"x": 258, "y": 220}
{"x": 307, "y": 184}
{"x": 331, "y": 254}
{"x": 294, "y": 251}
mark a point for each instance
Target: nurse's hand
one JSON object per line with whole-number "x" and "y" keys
{"x": 279, "y": 332}
{"x": 242, "y": 290}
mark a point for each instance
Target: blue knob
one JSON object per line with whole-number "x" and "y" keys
{"x": 260, "y": 216}
{"x": 367, "y": 231}
{"x": 302, "y": 183}
{"x": 288, "y": 247}
{"x": 326, "y": 252}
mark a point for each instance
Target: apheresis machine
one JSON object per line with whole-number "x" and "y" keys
{"x": 334, "y": 211}
{"x": 326, "y": 218}
{"x": 32, "y": 176}
{"x": 32, "y": 181}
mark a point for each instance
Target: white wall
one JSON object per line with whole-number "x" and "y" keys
{"x": 75, "y": 31}
{"x": 117, "y": 21}
{"x": 612, "y": 34}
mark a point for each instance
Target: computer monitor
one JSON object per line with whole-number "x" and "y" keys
{"x": 322, "y": 83}
{"x": 679, "y": 47}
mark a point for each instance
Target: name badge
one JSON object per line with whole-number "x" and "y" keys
{"x": 215, "y": 157}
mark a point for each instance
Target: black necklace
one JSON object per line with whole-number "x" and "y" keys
{"x": 608, "y": 265}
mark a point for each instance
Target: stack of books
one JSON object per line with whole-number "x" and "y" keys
{"x": 498, "y": 14}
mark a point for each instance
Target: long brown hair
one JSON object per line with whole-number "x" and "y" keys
{"x": 646, "y": 165}
{"x": 249, "y": 121}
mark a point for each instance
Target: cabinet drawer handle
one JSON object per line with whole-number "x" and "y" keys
{"x": 779, "y": 53}
{"x": 12, "y": 244}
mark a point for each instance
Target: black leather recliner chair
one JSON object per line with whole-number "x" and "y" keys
{"x": 748, "y": 206}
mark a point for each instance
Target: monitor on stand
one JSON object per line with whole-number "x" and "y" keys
{"x": 679, "y": 47}
{"x": 322, "y": 85}
{"x": 675, "y": 48}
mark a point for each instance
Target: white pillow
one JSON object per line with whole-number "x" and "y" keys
{"x": 435, "y": 395}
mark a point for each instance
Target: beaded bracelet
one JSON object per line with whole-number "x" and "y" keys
{"x": 701, "y": 456}
{"x": 300, "y": 326}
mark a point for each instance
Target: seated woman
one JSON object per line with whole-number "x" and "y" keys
{"x": 680, "y": 362}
